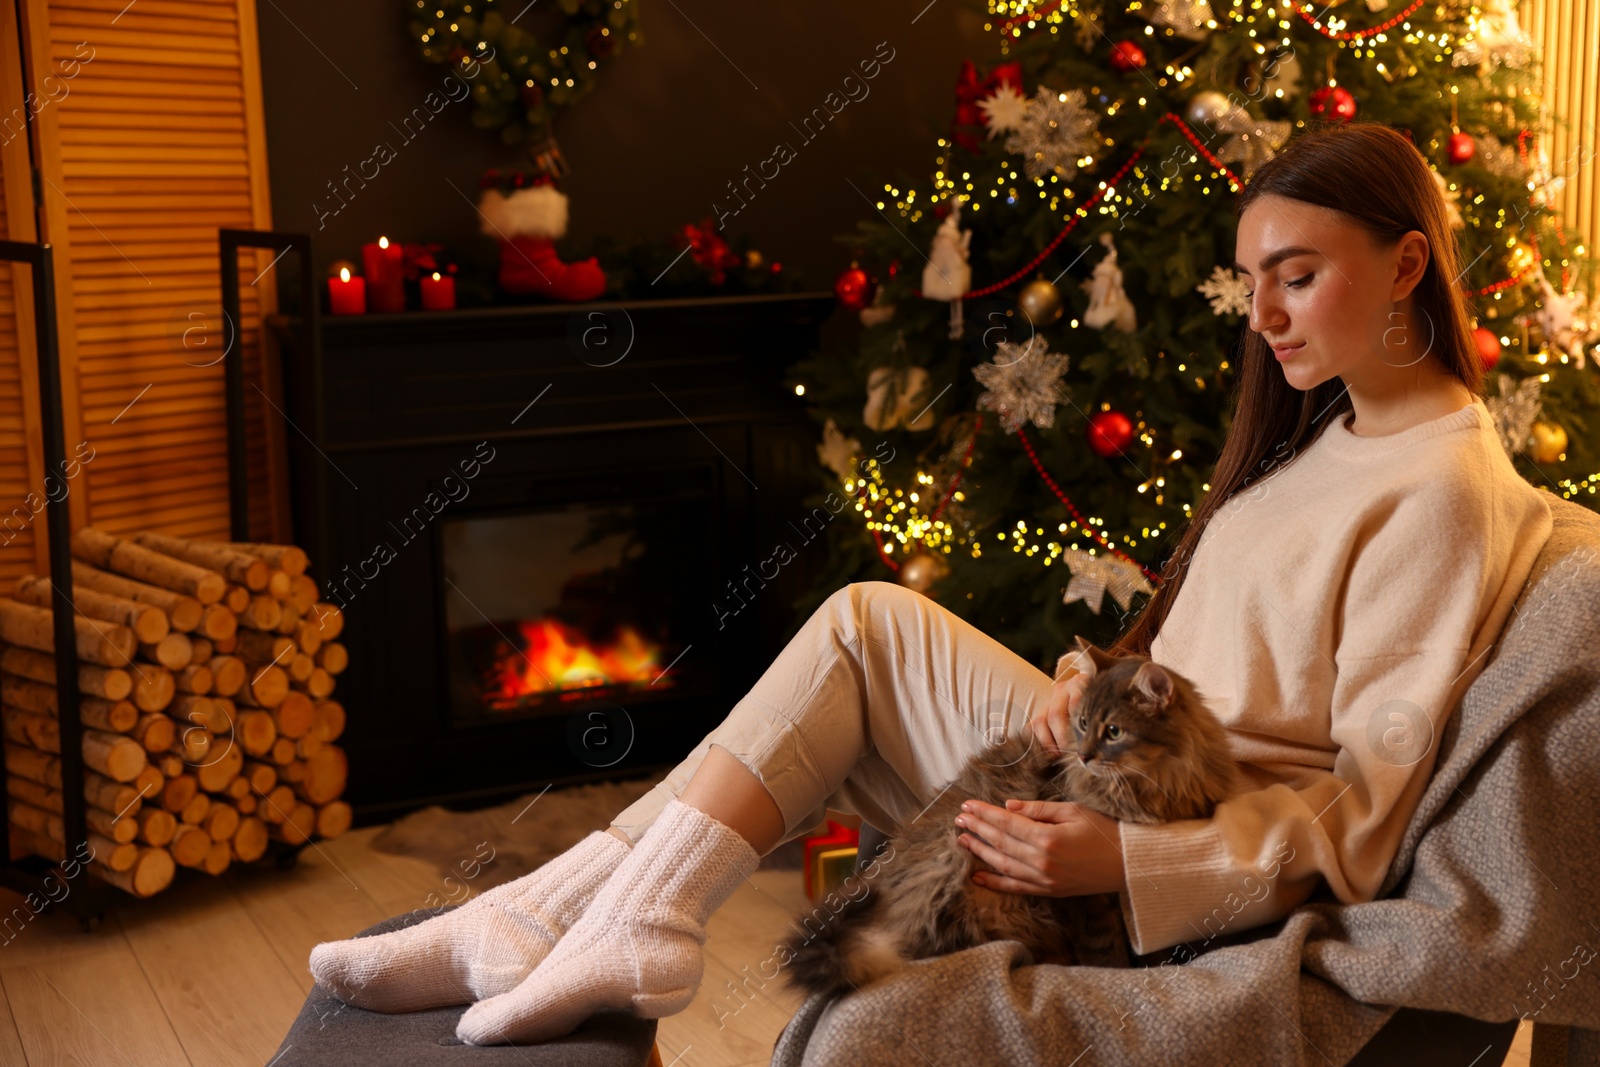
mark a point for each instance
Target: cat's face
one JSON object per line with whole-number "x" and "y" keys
{"x": 1124, "y": 723}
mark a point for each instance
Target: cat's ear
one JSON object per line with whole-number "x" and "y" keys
{"x": 1154, "y": 684}
{"x": 1086, "y": 658}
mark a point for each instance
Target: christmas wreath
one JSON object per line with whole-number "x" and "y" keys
{"x": 520, "y": 82}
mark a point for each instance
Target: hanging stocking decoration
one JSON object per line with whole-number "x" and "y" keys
{"x": 528, "y": 220}
{"x": 948, "y": 275}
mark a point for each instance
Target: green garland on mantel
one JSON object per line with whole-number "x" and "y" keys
{"x": 519, "y": 82}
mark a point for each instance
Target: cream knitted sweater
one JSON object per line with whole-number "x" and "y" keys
{"x": 1335, "y": 612}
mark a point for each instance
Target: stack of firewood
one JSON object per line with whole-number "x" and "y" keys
{"x": 205, "y": 673}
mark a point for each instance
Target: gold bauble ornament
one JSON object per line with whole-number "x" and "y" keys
{"x": 1521, "y": 257}
{"x": 1040, "y": 302}
{"x": 753, "y": 259}
{"x": 921, "y": 569}
{"x": 1547, "y": 441}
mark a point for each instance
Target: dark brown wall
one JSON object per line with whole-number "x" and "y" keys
{"x": 714, "y": 88}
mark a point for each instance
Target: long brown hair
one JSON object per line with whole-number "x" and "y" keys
{"x": 1378, "y": 180}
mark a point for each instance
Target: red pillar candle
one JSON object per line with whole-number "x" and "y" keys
{"x": 383, "y": 265}
{"x": 438, "y": 292}
{"x": 347, "y": 295}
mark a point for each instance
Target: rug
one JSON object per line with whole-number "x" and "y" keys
{"x": 486, "y": 847}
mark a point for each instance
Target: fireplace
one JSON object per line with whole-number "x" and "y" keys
{"x": 531, "y": 547}
{"x": 581, "y": 601}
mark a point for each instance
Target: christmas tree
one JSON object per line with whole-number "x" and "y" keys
{"x": 1040, "y": 386}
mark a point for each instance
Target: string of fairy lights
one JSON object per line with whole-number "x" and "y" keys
{"x": 899, "y": 518}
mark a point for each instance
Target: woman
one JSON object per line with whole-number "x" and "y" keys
{"x": 1359, "y": 550}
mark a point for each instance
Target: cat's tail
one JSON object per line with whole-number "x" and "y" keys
{"x": 840, "y": 953}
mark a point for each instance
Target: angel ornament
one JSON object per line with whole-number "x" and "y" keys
{"x": 948, "y": 275}
{"x": 1108, "y": 301}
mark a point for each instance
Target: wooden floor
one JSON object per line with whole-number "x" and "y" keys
{"x": 212, "y": 972}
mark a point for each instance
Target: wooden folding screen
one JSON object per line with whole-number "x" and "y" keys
{"x": 147, "y": 138}
{"x": 1567, "y": 33}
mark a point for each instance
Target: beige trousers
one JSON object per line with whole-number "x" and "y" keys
{"x": 874, "y": 705}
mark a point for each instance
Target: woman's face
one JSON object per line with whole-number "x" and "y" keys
{"x": 1323, "y": 294}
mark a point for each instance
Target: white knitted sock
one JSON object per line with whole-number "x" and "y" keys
{"x": 484, "y": 948}
{"x": 638, "y": 946}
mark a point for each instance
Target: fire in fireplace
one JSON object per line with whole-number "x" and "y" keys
{"x": 548, "y": 609}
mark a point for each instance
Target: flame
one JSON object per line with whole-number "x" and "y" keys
{"x": 344, "y": 274}
{"x": 383, "y": 242}
{"x": 555, "y": 657}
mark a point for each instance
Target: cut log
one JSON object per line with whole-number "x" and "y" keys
{"x": 298, "y": 826}
{"x": 218, "y": 856}
{"x": 218, "y": 623}
{"x": 204, "y": 649}
{"x": 238, "y": 787}
{"x": 109, "y": 683}
{"x": 147, "y": 785}
{"x": 155, "y": 731}
{"x": 118, "y": 855}
{"x": 183, "y": 612}
{"x": 191, "y": 710}
{"x": 105, "y": 643}
{"x": 157, "y": 826}
{"x": 275, "y": 804}
{"x": 328, "y": 722}
{"x": 151, "y": 872}
{"x": 148, "y": 622}
{"x": 218, "y": 771}
{"x": 319, "y": 685}
{"x": 171, "y": 766}
{"x": 266, "y": 688}
{"x": 96, "y": 818}
{"x": 39, "y": 698}
{"x": 174, "y": 651}
{"x": 195, "y": 812}
{"x": 190, "y": 845}
{"x": 293, "y": 771}
{"x": 147, "y": 565}
{"x": 287, "y": 558}
{"x": 228, "y": 674}
{"x": 193, "y": 744}
{"x": 333, "y": 657}
{"x": 246, "y": 804}
{"x": 263, "y": 613}
{"x": 303, "y": 593}
{"x": 300, "y": 667}
{"x": 250, "y": 840}
{"x": 294, "y": 715}
{"x": 195, "y": 678}
{"x": 329, "y": 619}
{"x": 178, "y": 791}
{"x": 221, "y": 822}
{"x": 282, "y": 752}
{"x": 326, "y": 773}
{"x": 153, "y": 687}
{"x": 279, "y": 584}
{"x": 288, "y": 620}
{"x": 237, "y": 598}
{"x": 261, "y": 776}
{"x": 243, "y": 567}
{"x": 308, "y": 637}
{"x": 333, "y": 819}
{"x": 227, "y": 645}
{"x": 258, "y": 648}
{"x": 116, "y": 756}
{"x": 308, "y": 746}
{"x": 255, "y": 731}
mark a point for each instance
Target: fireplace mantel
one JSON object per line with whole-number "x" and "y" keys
{"x": 391, "y": 414}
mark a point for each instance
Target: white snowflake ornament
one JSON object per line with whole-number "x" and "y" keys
{"x": 1514, "y": 411}
{"x": 1057, "y": 130}
{"x": 1186, "y": 18}
{"x": 1254, "y": 140}
{"x": 1228, "y": 292}
{"x": 1023, "y": 383}
{"x": 1004, "y": 109}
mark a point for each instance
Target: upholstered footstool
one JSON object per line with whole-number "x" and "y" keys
{"x": 330, "y": 1033}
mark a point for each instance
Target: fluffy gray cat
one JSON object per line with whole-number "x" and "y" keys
{"x": 1145, "y": 749}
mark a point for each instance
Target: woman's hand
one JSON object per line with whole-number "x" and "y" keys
{"x": 1048, "y": 848}
{"x": 1052, "y": 727}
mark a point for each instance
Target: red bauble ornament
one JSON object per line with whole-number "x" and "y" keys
{"x": 1126, "y": 56}
{"x": 1110, "y": 433}
{"x": 1333, "y": 103}
{"x": 855, "y": 289}
{"x": 1462, "y": 147}
{"x": 600, "y": 42}
{"x": 1488, "y": 346}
